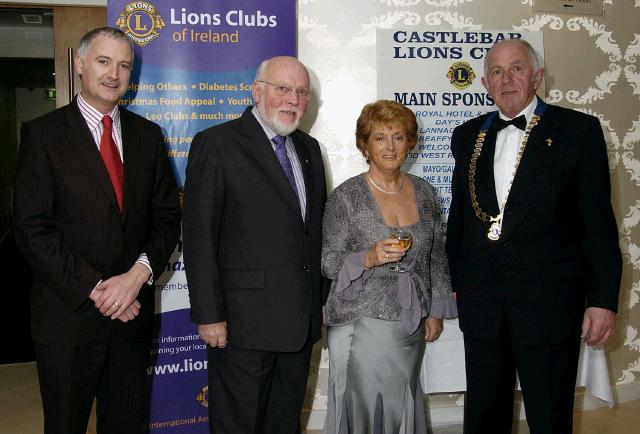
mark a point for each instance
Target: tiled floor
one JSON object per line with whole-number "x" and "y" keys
{"x": 20, "y": 411}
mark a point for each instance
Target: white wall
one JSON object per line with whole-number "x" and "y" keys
{"x": 592, "y": 65}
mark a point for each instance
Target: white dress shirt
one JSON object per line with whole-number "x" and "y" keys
{"x": 293, "y": 157}
{"x": 93, "y": 118}
{"x": 507, "y": 145}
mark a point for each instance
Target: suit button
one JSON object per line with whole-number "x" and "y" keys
{"x": 305, "y": 268}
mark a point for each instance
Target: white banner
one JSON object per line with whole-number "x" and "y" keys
{"x": 436, "y": 73}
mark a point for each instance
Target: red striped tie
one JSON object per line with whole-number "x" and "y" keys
{"x": 111, "y": 158}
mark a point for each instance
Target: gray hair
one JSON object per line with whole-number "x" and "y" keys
{"x": 531, "y": 53}
{"x": 261, "y": 68}
{"x": 265, "y": 63}
{"x": 110, "y": 32}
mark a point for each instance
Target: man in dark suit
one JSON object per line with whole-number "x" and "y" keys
{"x": 253, "y": 205}
{"x": 532, "y": 245}
{"x": 96, "y": 214}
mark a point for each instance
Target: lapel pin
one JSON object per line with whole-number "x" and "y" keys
{"x": 549, "y": 142}
{"x": 306, "y": 160}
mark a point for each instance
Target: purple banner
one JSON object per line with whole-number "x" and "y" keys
{"x": 194, "y": 64}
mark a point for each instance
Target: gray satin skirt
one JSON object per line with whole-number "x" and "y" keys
{"x": 374, "y": 384}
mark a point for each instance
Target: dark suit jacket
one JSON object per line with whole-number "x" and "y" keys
{"x": 250, "y": 259}
{"x": 70, "y": 229}
{"x": 558, "y": 251}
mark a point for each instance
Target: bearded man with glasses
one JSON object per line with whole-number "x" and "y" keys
{"x": 253, "y": 205}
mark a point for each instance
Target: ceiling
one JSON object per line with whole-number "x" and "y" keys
{"x": 26, "y": 33}
{"x": 26, "y": 47}
{"x": 29, "y": 18}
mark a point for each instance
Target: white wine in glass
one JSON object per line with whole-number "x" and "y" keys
{"x": 404, "y": 242}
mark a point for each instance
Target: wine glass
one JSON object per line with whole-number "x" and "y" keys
{"x": 404, "y": 242}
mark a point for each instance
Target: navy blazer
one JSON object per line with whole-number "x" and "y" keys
{"x": 69, "y": 226}
{"x": 250, "y": 259}
{"x": 558, "y": 251}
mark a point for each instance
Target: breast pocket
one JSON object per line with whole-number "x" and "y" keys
{"x": 243, "y": 278}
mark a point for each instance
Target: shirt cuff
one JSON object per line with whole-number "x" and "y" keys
{"x": 142, "y": 259}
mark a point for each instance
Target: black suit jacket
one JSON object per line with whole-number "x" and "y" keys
{"x": 250, "y": 259}
{"x": 70, "y": 229}
{"x": 558, "y": 251}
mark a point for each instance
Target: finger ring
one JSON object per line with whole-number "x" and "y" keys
{"x": 386, "y": 254}
{"x": 115, "y": 303}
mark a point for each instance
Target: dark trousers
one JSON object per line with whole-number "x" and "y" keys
{"x": 112, "y": 371}
{"x": 256, "y": 392}
{"x": 547, "y": 376}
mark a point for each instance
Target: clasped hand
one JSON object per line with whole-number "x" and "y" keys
{"x": 116, "y": 296}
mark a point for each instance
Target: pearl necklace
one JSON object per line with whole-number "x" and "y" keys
{"x": 385, "y": 191}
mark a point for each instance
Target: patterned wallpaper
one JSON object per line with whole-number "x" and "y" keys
{"x": 592, "y": 65}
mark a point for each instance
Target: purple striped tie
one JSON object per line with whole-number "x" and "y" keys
{"x": 283, "y": 158}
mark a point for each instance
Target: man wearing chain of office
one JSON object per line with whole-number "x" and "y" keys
{"x": 532, "y": 245}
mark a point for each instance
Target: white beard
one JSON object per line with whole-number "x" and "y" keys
{"x": 279, "y": 127}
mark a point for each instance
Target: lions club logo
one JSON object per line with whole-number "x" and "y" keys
{"x": 203, "y": 397}
{"x": 461, "y": 75}
{"x": 141, "y": 21}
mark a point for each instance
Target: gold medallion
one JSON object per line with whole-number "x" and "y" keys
{"x": 494, "y": 231}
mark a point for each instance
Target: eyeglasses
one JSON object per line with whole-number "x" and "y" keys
{"x": 283, "y": 90}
